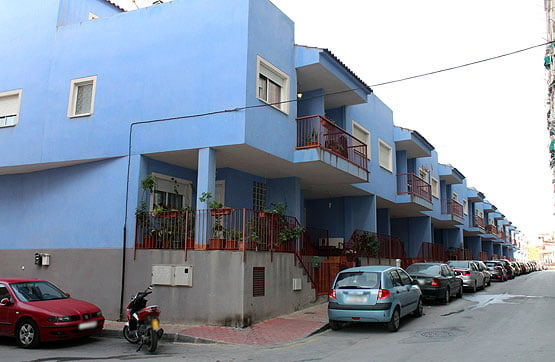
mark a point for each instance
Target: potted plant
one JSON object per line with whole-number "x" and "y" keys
{"x": 218, "y": 211}
{"x": 368, "y": 244}
{"x": 282, "y": 231}
{"x": 142, "y": 217}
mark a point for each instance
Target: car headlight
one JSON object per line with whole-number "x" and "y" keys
{"x": 97, "y": 314}
{"x": 68, "y": 318}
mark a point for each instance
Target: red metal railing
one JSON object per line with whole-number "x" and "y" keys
{"x": 451, "y": 207}
{"x": 372, "y": 245}
{"x": 478, "y": 222}
{"x": 491, "y": 229}
{"x": 319, "y": 132}
{"x": 218, "y": 229}
{"x": 432, "y": 252}
{"x": 483, "y": 256}
{"x": 494, "y": 257}
{"x": 409, "y": 183}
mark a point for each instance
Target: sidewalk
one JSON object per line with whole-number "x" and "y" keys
{"x": 279, "y": 330}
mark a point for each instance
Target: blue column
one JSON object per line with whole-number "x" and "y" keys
{"x": 384, "y": 221}
{"x": 206, "y": 182}
{"x": 360, "y": 214}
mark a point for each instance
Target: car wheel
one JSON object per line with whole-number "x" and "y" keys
{"x": 27, "y": 334}
{"x": 460, "y": 292}
{"x": 336, "y": 325}
{"x": 419, "y": 311}
{"x": 393, "y": 324}
{"x": 489, "y": 282}
{"x": 447, "y": 296}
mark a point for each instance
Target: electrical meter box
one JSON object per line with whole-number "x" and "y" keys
{"x": 183, "y": 275}
{"x": 162, "y": 274}
{"x": 174, "y": 275}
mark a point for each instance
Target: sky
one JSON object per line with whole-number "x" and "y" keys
{"x": 487, "y": 120}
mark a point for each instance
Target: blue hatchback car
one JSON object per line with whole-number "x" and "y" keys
{"x": 380, "y": 293}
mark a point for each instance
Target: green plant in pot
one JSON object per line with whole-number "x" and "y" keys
{"x": 368, "y": 244}
{"x": 148, "y": 183}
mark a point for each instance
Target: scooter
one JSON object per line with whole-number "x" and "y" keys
{"x": 143, "y": 323}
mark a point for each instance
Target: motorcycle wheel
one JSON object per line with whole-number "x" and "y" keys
{"x": 151, "y": 340}
{"x": 131, "y": 337}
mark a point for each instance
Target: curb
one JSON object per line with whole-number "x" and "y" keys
{"x": 168, "y": 337}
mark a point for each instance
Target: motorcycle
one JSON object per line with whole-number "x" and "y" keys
{"x": 143, "y": 323}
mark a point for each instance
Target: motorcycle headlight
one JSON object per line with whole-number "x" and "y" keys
{"x": 68, "y": 318}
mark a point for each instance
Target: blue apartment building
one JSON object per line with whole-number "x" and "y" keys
{"x": 193, "y": 145}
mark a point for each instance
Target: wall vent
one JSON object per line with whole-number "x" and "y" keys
{"x": 258, "y": 281}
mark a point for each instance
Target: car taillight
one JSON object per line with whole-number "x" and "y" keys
{"x": 332, "y": 294}
{"x": 434, "y": 283}
{"x": 467, "y": 273}
{"x": 383, "y": 294}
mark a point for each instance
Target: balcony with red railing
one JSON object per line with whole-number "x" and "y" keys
{"x": 478, "y": 222}
{"x": 491, "y": 229}
{"x": 452, "y": 212}
{"x": 409, "y": 183}
{"x": 217, "y": 229}
{"x": 317, "y": 131}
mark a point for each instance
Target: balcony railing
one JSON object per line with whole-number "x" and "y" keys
{"x": 478, "y": 222}
{"x": 409, "y": 183}
{"x": 432, "y": 252}
{"x": 218, "y": 229}
{"x": 372, "y": 245}
{"x": 319, "y": 132}
{"x": 451, "y": 207}
{"x": 491, "y": 229}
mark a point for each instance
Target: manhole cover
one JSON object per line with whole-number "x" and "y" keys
{"x": 437, "y": 334}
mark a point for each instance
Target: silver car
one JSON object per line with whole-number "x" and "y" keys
{"x": 470, "y": 274}
{"x": 484, "y": 270}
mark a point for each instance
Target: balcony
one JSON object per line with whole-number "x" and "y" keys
{"x": 451, "y": 213}
{"x": 217, "y": 229}
{"x": 414, "y": 195}
{"x": 319, "y": 132}
{"x": 478, "y": 222}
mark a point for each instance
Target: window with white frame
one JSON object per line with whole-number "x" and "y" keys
{"x": 362, "y": 134}
{"x": 424, "y": 174}
{"x": 10, "y": 102}
{"x": 465, "y": 206}
{"x": 81, "y": 97}
{"x": 171, "y": 192}
{"x": 435, "y": 188}
{"x": 272, "y": 85}
{"x": 385, "y": 155}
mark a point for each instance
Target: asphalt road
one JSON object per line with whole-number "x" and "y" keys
{"x": 512, "y": 321}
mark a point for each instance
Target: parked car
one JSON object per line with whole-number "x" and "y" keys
{"x": 378, "y": 293}
{"x": 468, "y": 270}
{"x": 35, "y": 311}
{"x": 497, "y": 270}
{"x": 485, "y": 271}
{"x": 509, "y": 268}
{"x": 516, "y": 268}
{"x": 437, "y": 281}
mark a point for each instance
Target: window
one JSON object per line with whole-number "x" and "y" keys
{"x": 435, "y": 188}
{"x": 424, "y": 174}
{"x": 171, "y": 192}
{"x": 405, "y": 278}
{"x": 395, "y": 278}
{"x": 385, "y": 155}
{"x": 258, "y": 196}
{"x": 9, "y": 107}
{"x": 81, "y": 97}
{"x": 465, "y": 206}
{"x": 455, "y": 196}
{"x": 272, "y": 85}
{"x": 363, "y": 135}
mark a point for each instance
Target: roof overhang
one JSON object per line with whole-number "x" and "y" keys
{"x": 450, "y": 175}
{"x": 412, "y": 143}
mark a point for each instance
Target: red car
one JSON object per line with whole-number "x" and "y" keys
{"x": 35, "y": 311}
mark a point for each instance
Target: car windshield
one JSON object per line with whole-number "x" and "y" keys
{"x": 458, "y": 264}
{"x": 424, "y": 269}
{"x": 358, "y": 280}
{"x": 37, "y": 291}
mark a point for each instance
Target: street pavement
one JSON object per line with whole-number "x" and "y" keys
{"x": 283, "y": 329}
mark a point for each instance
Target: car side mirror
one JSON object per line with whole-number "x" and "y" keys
{"x": 67, "y": 295}
{"x": 5, "y": 302}
{"x": 414, "y": 282}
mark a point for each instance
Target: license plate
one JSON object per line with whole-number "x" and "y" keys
{"x": 88, "y": 325}
{"x": 155, "y": 324}
{"x": 356, "y": 299}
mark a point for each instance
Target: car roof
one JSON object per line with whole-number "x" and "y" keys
{"x": 432, "y": 263}
{"x": 19, "y": 280}
{"x": 369, "y": 268}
